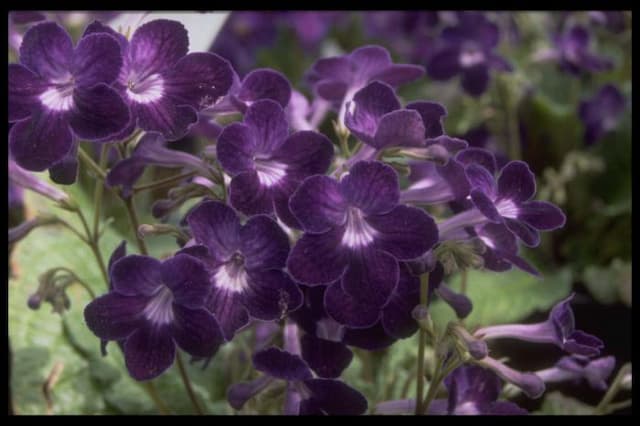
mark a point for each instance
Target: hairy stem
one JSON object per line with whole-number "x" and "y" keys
{"x": 187, "y": 385}
{"x": 163, "y": 182}
{"x": 133, "y": 217}
{"x": 424, "y": 296}
{"x": 98, "y": 192}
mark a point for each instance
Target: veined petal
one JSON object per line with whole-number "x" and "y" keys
{"x": 135, "y": 275}
{"x": 98, "y": 112}
{"x": 318, "y": 204}
{"x": 149, "y": 352}
{"x": 113, "y": 316}
{"x": 196, "y": 331}
{"x": 318, "y": 259}
{"x": 371, "y": 186}
{"x": 216, "y": 226}
{"x": 25, "y": 89}
{"x": 47, "y": 50}
{"x": 271, "y": 294}
{"x": 157, "y": 45}
{"x": 263, "y": 243}
{"x": 97, "y": 59}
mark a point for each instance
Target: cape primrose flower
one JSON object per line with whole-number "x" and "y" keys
{"x": 151, "y": 307}
{"x": 244, "y": 265}
{"x": 577, "y": 368}
{"x": 602, "y": 112}
{"x": 58, "y": 93}
{"x": 355, "y": 234}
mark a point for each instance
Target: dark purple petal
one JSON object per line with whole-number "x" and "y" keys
{"x": 372, "y": 187}
{"x": 405, "y": 232}
{"x": 475, "y": 79}
{"x": 96, "y": 59}
{"x": 113, "y": 316}
{"x": 307, "y": 152}
{"x": 263, "y": 243}
{"x": 118, "y": 253}
{"x": 239, "y": 393}
{"x": 65, "y": 171}
{"x": 432, "y": 114}
{"x": 282, "y": 365}
{"x": 99, "y": 112}
{"x": 136, "y": 275}
{"x": 248, "y": 195}
{"x": 199, "y": 80}
{"x": 97, "y": 27}
{"x": 516, "y": 182}
{"x": 196, "y": 331}
{"x": 367, "y": 108}
{"x": 444, "y": 64}
{"x": 265, "y": 83}
{"x": 519, "y": 263}
{"x": 485, "y": 205}
{"x": 226, "y": 305}
{"x": 400, "y": 128}
{"x": 581, "y": 343}
{"x": 526, "y": 233}
{"x": 472, "y": 384}
{"x": 126, "y": 173}
{"x": 157, "y": 45}
{"x": 541, "y": 215}
{"x": 187, "y": 279}
{"x": 371, "y": 339}
{"x": 162, "y": 115}
{"x": 24, "y": 89}
{"x": 398, "y": 74}
{"x": 326, "y": 358}
{"x": 396, "y": 315}
{"x": 149, "y": 352}
{"x": 268, "y": 123}
{"x": 318, "y": 259}
{"x": 331, "y": 90}
{"x": 480, "y": 156}
{"x": 47, "y": 50}
{"x": 334, "y": 397}
{"x": 318, "y": 205}
{"x": 271, "y": 294}
{"x": 216, "y": 226}
{"x": 235, "y": 149}
{"x": 480, "y": 178}
{"x": 371, "y": 277}
{"x": 350, "y": 311}
{"x": 21, "y": 18}
{"x": 39, "y": 142}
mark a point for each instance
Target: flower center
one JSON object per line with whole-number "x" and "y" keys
{"x": 358, "y": 232}
{"x": 147, "y": 90}
{"x": 59, "y": 97}
{"x": 270, "y": 172}
{"x": 470, "y": 55}
{"x": 232, "y": 276}
{"x": 160, "y": 310}
{"x": 507, "y": 208}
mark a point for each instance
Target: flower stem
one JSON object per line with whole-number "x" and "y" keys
{"x": 133, "y": 217}
{"x": 187, "y": 385}
{"x": 424, "y": 296}
{"x": 94, "y": 246}
{"x": 163, "y": 182}
{"x": 98, "y": 192}
{"x": 438, "y": 377}
{"x": 153, "y": 393}
{"x": 603, "y": 406}
{"x": 86, "y": 158}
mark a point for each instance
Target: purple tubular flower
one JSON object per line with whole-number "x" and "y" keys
{"x": 468, "y": 49}
{"x": 572, "y": 51}
{"x": 508, "y": 203}
{"x": 244, "y": 266}
{"x": 151, "y": 150}
{"x": 316, "y": 396}
{"x": 312, "y": 27}
{"x": 612, "y": 20}
{"x": 267, "y": 164}
{"x": 58, "y": 93}
{"x": 151, "y": 307}
{"x": 355, "y": 233}
{"x": 433, "y": 184}
{"x": 529, "y": 383}
{"x": 558, "y": 329}
{"x": 501, "y": 249}
{"x": 164, "y": 86}
{"x": 27, "y": 180}
{"x": 601, "y": 113}
{"x": 576, "y": 368}
{"x": 460, "y": 303}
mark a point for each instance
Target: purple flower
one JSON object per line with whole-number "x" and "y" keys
{"x": 575, "y": 368}
{"x": 529, "y": 383}
{"x": 434, "y": 184}
{"x": 311, "y": 396}
{"x": 612, "y": 20}
{"x": 312, "y": 27}
{"x": 151, "y": 307}
{"x": 244, "y": 265}
{"x": 22, "y": 178}
{"x": 572, "y": 52}
{"x": 559, "y": 329}
{"x": 267, "y": 164}
{"x": 602, "y": 113}
{"x": 509, "y": 202}
{"x": 468, "y": 49}
{"x": 355, "y": 233}
{"x": 59, "y": 93}
{"x": 501, "y": 249}
{"x": 163, "y": 85}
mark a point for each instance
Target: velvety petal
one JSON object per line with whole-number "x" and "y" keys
{"x": 505, "y": 408}
{"x": 529, "y": 236}
{"x": 480, "y": 178}
{"x": 24, "y": 89}
{"x": 248, "y": 195}
{"x": 432, "y": 114}
{"x": 235, "y": 149}
{"x": 126, "y": 173}
{"x": 326, "y": 358}
{"x": 399, "y": 74}
{"x": 282, "y": 365}
{"x": 97, "y": 59}
{"x": 520, "y": 263}
{"x": 265, "y": 83}
{"x": 135, "y": 275}
{"x": 196, "y": 331}
{"x": 97, "y": 27}
{"x": 367, "y": 108}
{"x": 405, "y": 232}
{"x": 350, "y": 311}
{"x": 396, "y": 315}
{"x": 47, "y": 50}
{"x": 480, "y": 156}
{"x": 318, "y": 259}
{"x": 157, "y": 45}
{"x": 268, "y": 123}
{"x": 263, "y": 243}
{"x": 113, "y": 316}
{"x": 305, "y": 151}
{"x": 371, "y": 277}
{"x": 98, "y": 112}
{"x": 187, "y": 279}
{"x": 334, "y": 397}
{"x": 149, "y": 352}
{"x": 485, "y": 205}
{"x": 400, "y": 128}
{"x": 331, "y": 90}
{"x": 239, "y": 393}
{"x": 454, "y": 174}
{"x": 199, "y": 80}
{"x": 164, "y": 116}
{"x": 541, "y": 215}
{"x": 65, "y": 171}
{"x": 39, "y": 142}
{"x": 475, "y": 79}
{"x": 371, "y": 339}
{"x": 372, "y": 187}
{"x": 472, "y": 384}
{"x": 581, "y": 343}
{"x": 444, "y": 63}
{"x": 271, "y": 294}
{"x": 516, "y": 182}
{"x": 118, "y": 253}
{"x": 216, "y": 226}
{"x": 227, "y": 307}
{"x": 318, "y": 205}
{"x": 337, "y": 67}
{"x": 368, "y": 60}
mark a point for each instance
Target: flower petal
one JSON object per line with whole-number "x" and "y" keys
{"x": 97, "y": 59}
{"x": 397, "y": 318}
{"x": 529, "y": 236}
{"x": 318, "y": 205}
{"x": 235, "y": 149}
{"x": 326, "y": 358}
{"x": 98, "y": 112}
{"x": 271, "y": 294}
{"x": 65, "y": 171}
{"x": 432, "y": 114}
{"x": 541, "y": 215}
{"x": 282, "y": 365}
{"x": 306, "y": 152}
{"x": 348, "y": 310}
{"x": 475, "y": 79}
{"x": 367, "y": 108}
{"x": 399, "y": 128}
{"x": 47, "y": 50}
{"x": 371, "y": 339}
{"x": 188, "y": 280}
{"x": 371, "y": 277}
{"x": 227, "y": 307}
{"x": 113, "y": 316}
{"x": 268, "y": 123}
{"x": 162, "y": 115}
{"x": 248, "y": 195}
{"x": 398, "y": 74}
{"x": 196, "y": 331}
{"x": 485, "y": 205}
{"x": 372, "y": 187}
{"x": 265, "y": 83}
{"x": 318, "y": 259}
{"x": 444, "y": 63}
{"x": 24, "y": 89}
{"x": 216, "y": 226}
{"x": 334, "y": 397}
{"x": 480, "y": 178}
{"x": 480, "y": 156}
{"x": 157, "y": 45}
{"x": 136, "y": 275}
{"x": 263, "y": 243}
{"x": 516, "y": 182}
{"x": 149, "y": 352}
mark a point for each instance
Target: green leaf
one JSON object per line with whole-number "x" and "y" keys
{"x": 506, "y": 297}
{"x": 611, "y": 284}
{"x": 555, "y": 403}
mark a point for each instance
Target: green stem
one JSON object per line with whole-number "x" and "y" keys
{"x": 163, "y": 182}
{"x": 187, "y": 385}
{"x": 463, "y": 282}
{"x": 133, "y": 217}
{"x": 153, "y": 393}
{"x": 94, "y": 247}
{"x": 438, "y": 377}
{"x": 618, "y": 406}
{"x": 422, "y": 337}
{"x": 86, "y": 158}
{"x": 612, "y": 391}
{"x": 510, "y": 118}
{"x": 77, "y": 280}
{"x": 98, "y": 191}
